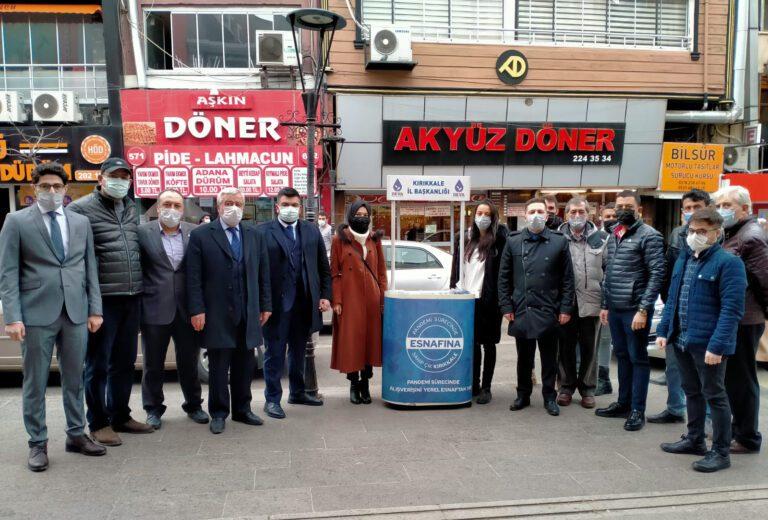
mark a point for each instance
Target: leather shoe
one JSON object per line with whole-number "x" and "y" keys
{"x": 305, "y": 399}
{"x": 564, "y": 399}
{"x": 82, "y": 444}
{"x": 248, "y": 418}
{"x": 133, "y": 426}
{"x": 712, "y": 462}
{"x": 199, "y": 416}
{"x": 666, "y": 417}
{"x": 635, "y": 422}
{"x": 685, "y": 446}
{"x": 552, "y": 408}
{"x": 217, "y": 425}
{"x": 38, "y": 458}
{"x": 520, "y": 403}
{"x": 738, "y": 448}
{"x": 613, "y": 410}
{"x": 274, "y": 410}
{"x": 106, "y": 437}
{"x": 154, "y": 421}
{"x": 365, "y": 392}
{"x": 588, "y": 401}
{"x": 354, "y": 392}
{"x": 484, "y": 397}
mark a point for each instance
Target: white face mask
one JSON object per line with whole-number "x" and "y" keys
{"x": 170, "y": 217}
{"x": 50, "y": 201}
{"x": 697, "y": 243}
{"x": 483, "y": 222}
{"x": 116, "y": 188}
{"x": 322, "y": 223}
{"x": 232, "y": 215}
{"x": 578, "y": 222}
{"x": 289, "y": 214}
{"x": 536, "y": 222}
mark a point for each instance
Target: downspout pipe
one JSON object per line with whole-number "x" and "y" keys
{"x": 722, "y": 117}
{"x": 138, "y": 54}
{"x": 695, "y": 54}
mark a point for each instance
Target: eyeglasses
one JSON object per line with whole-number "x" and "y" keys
{"x": 701, "y": 232}
{"x": 58, "y": 188}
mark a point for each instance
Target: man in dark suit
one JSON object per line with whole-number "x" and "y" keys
{"x": 301, "y": 289}
{"x": 164, "y": 310}
{"x": 229, "y": 299}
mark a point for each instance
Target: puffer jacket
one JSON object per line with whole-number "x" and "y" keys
{"x": 677, "y": 242}
{"x": 715, "y": 302}
{"x": 747, "y": 240}
{"x": 634, "y": 271}
{"x": 587, "y": 255}
{"x": 116, "y": 243}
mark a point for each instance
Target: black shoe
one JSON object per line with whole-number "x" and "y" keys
{"x": 354, "y": 393}
{"x": 217, "y": 425}
{"x": 685, "y": 446}
{"x": 712, "y": 462}
{"x": 365, "y": 392}
{"x": 666, "y": 417}
{"x": 520, "y": 403}
{"x": 484, "y": 397}
{"x": 38, "y": 458}
{"x": 603, "y": 382}
{"x": 274, "y": 410}
{"x": 475, "y": 391}
{"x": 83, "y": 444}
{"x": 635, "y": 422}
{"x": 249, "y": 418}
{"x": 154, "y": 421}
{"x": 552, "y": 408}
{"x": 199, "y": 416}
{"x": 305, "y": 399}
{"x": 613, "y": 410}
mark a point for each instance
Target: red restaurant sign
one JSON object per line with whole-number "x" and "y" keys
{"x": 199, "y": 143}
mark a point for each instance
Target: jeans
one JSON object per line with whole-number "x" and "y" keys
{"x": 675, "y": 393}
{"x": 604, "y": 346}
{"x": 631, "y": 350}
{"x": 743, "y": 387}
{"x": 705, "y": 385}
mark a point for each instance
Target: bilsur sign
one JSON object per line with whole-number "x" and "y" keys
{"x": 427, "y": 188}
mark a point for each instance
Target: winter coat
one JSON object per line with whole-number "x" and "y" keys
{"x": 747, "y": 240}
{"x": 677, "y": 241}
{"x": 715, "y": 302}
{"x": 487, "y": 312}
{"x": 116, "y": 242}
{"x": 587, "y": 256}
{"x": 634, "y": 269}
{"x": 357, "y": 332}
{"x": 535, "y": 282}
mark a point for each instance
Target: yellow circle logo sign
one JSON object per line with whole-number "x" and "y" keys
{"x": 512, "y": 67}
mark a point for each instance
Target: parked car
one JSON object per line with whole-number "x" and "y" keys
{"x": 653, "y": 350}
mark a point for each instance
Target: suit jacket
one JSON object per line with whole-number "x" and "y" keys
{"x": 34, "y": 285}
{"x": 316, "y": 270}
{"x": 209, "y": 283}
{"x": 165, "y": 290}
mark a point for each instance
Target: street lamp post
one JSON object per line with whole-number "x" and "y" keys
{"x": 322, "y": 21}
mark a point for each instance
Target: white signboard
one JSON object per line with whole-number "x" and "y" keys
{"x": 427, "y": 188}
{"x": 437, "y": 210}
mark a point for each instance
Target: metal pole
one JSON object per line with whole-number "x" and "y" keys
{"x": 394, "y": 236}
{"x": 461, "y": 243}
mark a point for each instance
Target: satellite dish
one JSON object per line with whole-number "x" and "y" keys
{"x": 46, "y": 106}
{"x": 385, "y": 42}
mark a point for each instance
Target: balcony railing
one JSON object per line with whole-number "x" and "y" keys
{"x": 88, "y": 81}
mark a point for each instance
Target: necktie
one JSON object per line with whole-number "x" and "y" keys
{"x": 290, "y": 233}
{"x": 58, "y": 241}
{"x": 235, "y": 244}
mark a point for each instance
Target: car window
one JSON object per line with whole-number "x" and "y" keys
{"x": 412, "y": 258}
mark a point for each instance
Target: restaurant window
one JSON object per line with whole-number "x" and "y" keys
{"x": 40, "y": 51}
{"x": 208, "y": 39}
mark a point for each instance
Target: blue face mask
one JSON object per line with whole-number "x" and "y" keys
{"x": 729, "y": 217}
{"x": 687, "y": 216}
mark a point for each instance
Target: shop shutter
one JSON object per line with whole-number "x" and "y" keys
{"x": 477, "y": 19}
{"x": 535, "y": 20}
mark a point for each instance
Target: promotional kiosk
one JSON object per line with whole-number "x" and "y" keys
{"x": 428, "y": 335}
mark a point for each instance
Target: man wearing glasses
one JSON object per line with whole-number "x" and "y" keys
{"x": 49, "y": 287}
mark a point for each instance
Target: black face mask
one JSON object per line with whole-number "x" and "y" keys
{"x": 360, "y": 224}
{"x": 626, "y": 216}
{"x": 607, "y": 224}
{"x": 553, "y": 221}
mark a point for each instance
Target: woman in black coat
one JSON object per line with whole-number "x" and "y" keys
{"x": 482, "y": 253}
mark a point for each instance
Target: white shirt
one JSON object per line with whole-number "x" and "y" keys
{"x": 474, "y": 274}
{"x": 61, "y": 219}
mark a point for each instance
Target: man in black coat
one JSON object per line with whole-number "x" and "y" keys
{"x": 229, "y": 298}
{"x": 300, "y": 278}
{"x": 536, "y": 295}
{"x": 164, "y": 310}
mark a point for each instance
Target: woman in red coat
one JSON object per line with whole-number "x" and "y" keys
{"x": 359, "y": 277}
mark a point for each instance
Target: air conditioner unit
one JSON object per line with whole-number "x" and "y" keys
{"x": 55, "y": 106}
{"x": 735, "y": 159}
{"x": 389, "y": 47}
{"x": 12, "y": 108}
{"x": 275, "y": 48}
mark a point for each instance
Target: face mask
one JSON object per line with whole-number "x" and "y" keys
{"x": 170, "y": 217}
{"x": 322, "y": 222}
{"x": 360, "y": 224}
{"x": 729, "y": 217}
{"x": 536, "y": 222}
{"x": 578, "y": 223}
{"x": 289, "y": 214}
{"x": 483, "y": 222}
{"x": 697, "y": 243}
{"x": 607, "y": 225}
{"x": 687, "y": 216}
{"x": 553, "y": 221}
{"x": 626, "y": 216}
{"x": 50, "y": 201}
{"x": 232, "y": 215}
{"x": 116, "y": 188}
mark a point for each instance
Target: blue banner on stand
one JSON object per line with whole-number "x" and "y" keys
{"x": 428, "y": 348}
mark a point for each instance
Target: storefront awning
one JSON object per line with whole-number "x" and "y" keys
{"x": 50, "y": 8}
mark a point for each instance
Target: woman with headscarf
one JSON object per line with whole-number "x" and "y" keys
{"x": 359, "y": 277}
{"x": 480, "y": 267}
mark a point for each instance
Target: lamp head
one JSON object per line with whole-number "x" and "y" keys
{"x": 316, "y": 20}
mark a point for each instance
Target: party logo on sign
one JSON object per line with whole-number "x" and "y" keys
{"x": 434, "y": 342}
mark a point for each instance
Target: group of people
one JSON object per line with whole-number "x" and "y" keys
{"x": 87, "y": 278}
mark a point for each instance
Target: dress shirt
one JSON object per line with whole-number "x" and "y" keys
{"x": 173, "y": 243}
{"x": 61, "y": 218}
